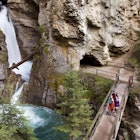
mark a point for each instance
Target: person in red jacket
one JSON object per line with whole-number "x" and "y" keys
{"x": 111, "y": 106}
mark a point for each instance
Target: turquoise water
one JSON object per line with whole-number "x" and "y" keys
{"x": 43, "y": 120}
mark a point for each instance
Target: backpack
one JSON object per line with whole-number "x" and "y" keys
{"x": 117, "y": 104}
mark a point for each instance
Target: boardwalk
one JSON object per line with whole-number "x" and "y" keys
{"x": 105, "y": 126}
{"x": 104, "y": 129}
{"x": 110, "y": 72}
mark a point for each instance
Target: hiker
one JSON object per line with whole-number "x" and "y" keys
{"x": 117, "y": 104}
{"x": 114, "y": 95}
{"x": 111, "y": 106}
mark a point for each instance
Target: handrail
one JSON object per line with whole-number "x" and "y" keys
{"x": 104, "y": 71}
{"x": 101, "y": 110}
{"x": 115, "y": 127}
{"x": 120, "y": 65}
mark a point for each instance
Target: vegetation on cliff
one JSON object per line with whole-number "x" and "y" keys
{"x": 135, "y": 62}
{"x": 13, "y": 126}
{"x": 81, "y": 91}
{"x": 74, "y": 107}
{"x": 134, "y": 59}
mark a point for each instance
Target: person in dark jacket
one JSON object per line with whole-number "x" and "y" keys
{"x": 115, "y": 95}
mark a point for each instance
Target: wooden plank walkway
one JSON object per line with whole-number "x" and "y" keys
{"x": 104, "y": 126}
{"x": 104, "y": 129}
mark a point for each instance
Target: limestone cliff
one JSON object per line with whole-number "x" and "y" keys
{"x": 3, "y": 61}
{"x": 75, "y": 32}
{"x": 79, "y": 31}
{"x": 24, "y": 14}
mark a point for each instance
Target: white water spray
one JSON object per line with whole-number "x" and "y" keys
{"x": 14, "y": 55}
{"x": 16, "y": 95}
{"x": 7, "y": 28}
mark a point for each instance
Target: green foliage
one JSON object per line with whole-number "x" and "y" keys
{"x": 41, "y": 29}
{"x": 98, "y": 91}
{"x": 9, "y": 88}
{"x": 134, "y": 92}
{"x": 138, "y": 34}
{"x": 74, "y": 107}
{"x": 102, "y": 85}
{"x": 134, "y": 59}
{"x": 126, "y": 138}
{"x": 13, "y": 126}
{"x": 3, "y": 58}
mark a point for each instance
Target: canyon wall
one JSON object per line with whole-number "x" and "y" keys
{"x": 75, "y": 33}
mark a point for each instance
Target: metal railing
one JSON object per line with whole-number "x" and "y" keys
{"x": 101, "y": 111}
{"x": 120, "y": 65}
{"x": 96, "y": 121}
{"x": 116, "y": 124}
{"x": 104, "y": 73}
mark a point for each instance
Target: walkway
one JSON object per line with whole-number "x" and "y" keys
{"x": 105, "y": 126}
{"x": 116, "y": 66}
{"x": 110, "y": 72}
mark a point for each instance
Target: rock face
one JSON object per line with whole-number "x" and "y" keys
{"x": 130, "y": 125}
{"x": 79, "y": 31}
{"x": 81, "y": 27}
{"x": 3, "y": 61}
{"x": 66, "y": 33}
{"x": 3, "y": 50}
{"x": 97, "y": 29}
{"x": 24, "y": 14}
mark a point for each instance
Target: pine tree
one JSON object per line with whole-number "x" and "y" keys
{"x": 13, "y": 125}
{"x": 74, "y": 107}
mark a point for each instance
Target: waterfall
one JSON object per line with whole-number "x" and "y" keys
{"x": 42, "y": 119}
{"x": 14, "y": 55}
{"x": 16, "y": 95}
{"x": 7, "y": 28}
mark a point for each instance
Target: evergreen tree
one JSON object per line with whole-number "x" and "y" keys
{"x": 13, "y": 126}
{"x": 74, "y": 107}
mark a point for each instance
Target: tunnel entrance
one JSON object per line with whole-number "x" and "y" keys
{"x": 89, "y": 60}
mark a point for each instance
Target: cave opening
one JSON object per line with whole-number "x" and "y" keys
{"x": 89, "y": 60}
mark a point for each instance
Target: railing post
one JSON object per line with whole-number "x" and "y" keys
{"x": 130, "y": 82}
{"x": 114, "y": 132}
{"x": 117, "y": 77}
{"x": 96, "y": 71}
{"x": 98, "y": 116}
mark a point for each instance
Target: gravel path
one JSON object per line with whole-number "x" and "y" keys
{"x": 110, "y": 71}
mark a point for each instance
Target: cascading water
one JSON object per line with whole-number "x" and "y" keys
{"x": 42, "y": 119}
{"x": 7, "y": 28}
{"x": 14, "y": 55}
